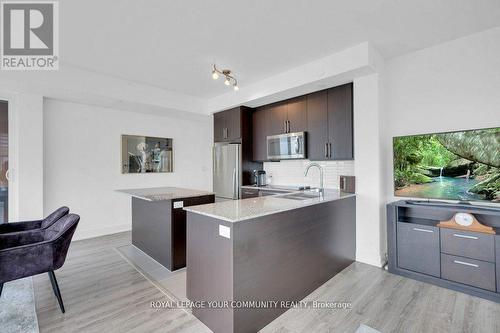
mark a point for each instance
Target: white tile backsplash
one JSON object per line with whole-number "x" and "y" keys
{"x": 292, "y": 172}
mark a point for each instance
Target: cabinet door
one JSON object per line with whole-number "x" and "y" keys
{"x": 297, "y": 114}
{"x": 233, "y": 124}
{"x": 340, "y": 122}
{"x": 260, "y": 133}
{"x": 277, "y": 118}
{"x": 317, "y": 125}
{"x": 418, "y": 248}
{"x": 219, "y": 126}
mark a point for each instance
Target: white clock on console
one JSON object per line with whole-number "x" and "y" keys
{"x": 464, "y": 219}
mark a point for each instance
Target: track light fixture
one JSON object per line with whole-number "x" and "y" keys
{"x": 229, "y": 80}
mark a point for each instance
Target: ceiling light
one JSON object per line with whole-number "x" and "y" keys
{"x": 229, "y": 78}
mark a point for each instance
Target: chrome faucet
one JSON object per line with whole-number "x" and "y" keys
{"x": 321, "y": 189}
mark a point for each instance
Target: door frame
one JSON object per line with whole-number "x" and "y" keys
{"x": 11, "y": 99}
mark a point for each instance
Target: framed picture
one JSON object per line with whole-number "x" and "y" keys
{"x": 146, "y": 154}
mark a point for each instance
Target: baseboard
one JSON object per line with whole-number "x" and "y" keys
{"x": 377, "y": 262}
{"x": 91, "y": 233}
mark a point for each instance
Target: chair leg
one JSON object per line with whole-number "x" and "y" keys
{"x": 57, "y": 292}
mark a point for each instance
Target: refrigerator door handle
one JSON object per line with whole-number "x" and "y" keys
{"x": 234, "y": 185}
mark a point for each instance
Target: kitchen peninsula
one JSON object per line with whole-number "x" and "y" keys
{"x": 271, "y": 248}
{"x": 159, "y": 221}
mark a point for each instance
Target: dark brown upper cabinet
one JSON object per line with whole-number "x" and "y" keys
{"x": 288, "y": 116}
{"x": 297, "y": 114}
{"x": 227, "y": 125}
{"x": 330, "y": 124}
{"x": 317, "y": 125}
{"x": 261, "y": 130}
{"x": 277, "y": 118}
{"x": 340, "y": 123}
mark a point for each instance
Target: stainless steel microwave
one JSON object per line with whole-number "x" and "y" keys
{"x": 286, "y": 146}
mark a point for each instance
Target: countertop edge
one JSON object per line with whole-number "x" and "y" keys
{"x": 218, "y": 217}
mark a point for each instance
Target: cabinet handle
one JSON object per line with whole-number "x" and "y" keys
{"x": 284, "y": 126}
{"x": 423, "y": 230}
{"x": 288, "y": 129}
{"x": 465, "y": 236}
{"x": 330, "y": 145}
{"x": 465, "y": 263}
{"x": 326, "y": 149}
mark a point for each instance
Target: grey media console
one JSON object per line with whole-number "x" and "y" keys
{"x": 460, "y": 260}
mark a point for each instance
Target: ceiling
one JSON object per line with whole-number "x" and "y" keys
{"x": 173, "y": 44}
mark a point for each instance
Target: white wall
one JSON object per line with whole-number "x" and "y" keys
{"x": 452, "y": 86}
{"x": 83, "y": 160}
{"x": 368, "y": 170}
{"x": 292, "y": 172}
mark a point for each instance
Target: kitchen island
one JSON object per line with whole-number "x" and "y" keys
{"x": 272, "y": 249}
{"x": 159, "y": 221}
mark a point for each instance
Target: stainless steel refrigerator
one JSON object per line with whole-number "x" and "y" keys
{"x": 227, "y": 170}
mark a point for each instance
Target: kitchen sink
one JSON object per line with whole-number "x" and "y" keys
{"x": 303, "y": 195}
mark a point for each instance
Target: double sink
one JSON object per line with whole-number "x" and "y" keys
{"x": 292, "y": 193}
{"x": 303, "y": 195}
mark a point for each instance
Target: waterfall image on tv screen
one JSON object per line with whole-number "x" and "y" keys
{"x": 462, "y": 165}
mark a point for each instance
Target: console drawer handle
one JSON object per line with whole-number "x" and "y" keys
{"x": 465, "y": 236}
{"x": 422, "y": 230}
{"x": 465, "y": 263}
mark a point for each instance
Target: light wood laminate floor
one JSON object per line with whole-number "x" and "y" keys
{"x": 103, "y": 293}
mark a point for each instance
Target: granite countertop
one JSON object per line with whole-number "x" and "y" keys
{"x": 163, "y": 193}
{"x": 245, "y": 209}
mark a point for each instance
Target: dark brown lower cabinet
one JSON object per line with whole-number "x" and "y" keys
{"x": 159, "y": 228}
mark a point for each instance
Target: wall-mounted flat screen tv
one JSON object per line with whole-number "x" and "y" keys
{"x": 461, "y": 165}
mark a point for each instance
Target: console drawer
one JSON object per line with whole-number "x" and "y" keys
{"x": 468, "y": 244}
{"x": 418, "y": 248}
{"x": 473, "y": 272}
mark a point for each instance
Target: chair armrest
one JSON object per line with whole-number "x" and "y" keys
{"x": 19, "y": 226}
{"x": 26, "y": 260}
{"x": 16, "y": 239}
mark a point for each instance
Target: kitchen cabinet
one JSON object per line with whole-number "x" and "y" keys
{"x": 277, "y": 118}
{"x": 340, "y": 132}
{"x": 329, "y": 124}
{"x": 227, "y": 125}
{"x": 159, "y": 227}
{"x": 317, "y": 125}
{"x": 326, "y": 116}
{"x": 260, "y": 132}
{"x": 296, "y": 114}
{"x": 288, "y": 116}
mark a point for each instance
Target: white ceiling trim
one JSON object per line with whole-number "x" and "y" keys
{"x": 82, "y": 86}
{"x": 335, "y": 69}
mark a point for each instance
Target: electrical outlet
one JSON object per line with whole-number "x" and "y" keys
{"x": 224, "y": 231}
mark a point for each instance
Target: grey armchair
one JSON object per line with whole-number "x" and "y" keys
{"x": 32, "y": 252}
{"x": 31, "y": 225}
